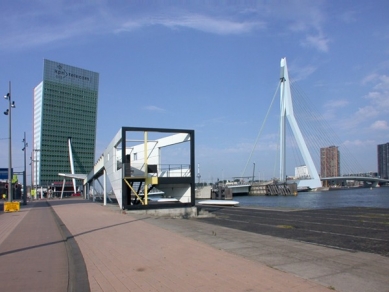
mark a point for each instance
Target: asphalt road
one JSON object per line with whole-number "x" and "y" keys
{"x": 358, "y": 229}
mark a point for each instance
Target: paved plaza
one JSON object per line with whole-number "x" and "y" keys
{"x": 78, "y": 245}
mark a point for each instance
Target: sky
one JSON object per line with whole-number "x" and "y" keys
{"x": 209, "y": 66}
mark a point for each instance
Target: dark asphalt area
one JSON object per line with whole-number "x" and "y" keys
{"x": 352, "y": 228}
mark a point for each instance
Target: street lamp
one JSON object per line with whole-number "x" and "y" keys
{"x": 11, "y": 104}
{"x": 25, "y": 144}
{"x": 253, "y": 172}
{"x": 31, "y": 190}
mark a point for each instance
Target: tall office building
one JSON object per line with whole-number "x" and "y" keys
{"x": 383, "y": 160}
{"x": 65, "y": 115}
{"x": 329, "y": 161}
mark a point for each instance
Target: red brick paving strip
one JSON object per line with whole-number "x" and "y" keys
{"x": 8, "y": 221}
{"x": 126, "y": 254}
{"x": 33, "y": 255}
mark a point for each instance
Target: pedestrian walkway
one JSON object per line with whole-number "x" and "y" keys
{"x": 33, "y": 255}
{"x": 124, "y": 252}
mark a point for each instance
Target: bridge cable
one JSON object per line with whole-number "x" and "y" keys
{"x": 260, "y": 131}
{"x": 320, "y": 134}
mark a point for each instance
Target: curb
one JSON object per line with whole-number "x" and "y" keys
{"x": 78, "y": 274}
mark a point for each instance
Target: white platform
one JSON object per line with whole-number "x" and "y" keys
{"x": 219, "y": 202}
{"x": 159, "y": 199}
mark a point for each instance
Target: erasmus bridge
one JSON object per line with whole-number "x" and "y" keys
{"x": 318, "y": 138}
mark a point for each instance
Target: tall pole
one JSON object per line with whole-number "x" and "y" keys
{"x": 9, "y": 145}
{"x": 25, "y": 172}
{"x": 253, "y": 172}
{"x": 32, "y": 171}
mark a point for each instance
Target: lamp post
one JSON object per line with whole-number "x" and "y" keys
{"x": 253, "y": 172}
{"x": 11, "y": 104}
{"x": 31, "y": 188}
{"x": 25, "y": 144}
{"x": 36, "y": 172}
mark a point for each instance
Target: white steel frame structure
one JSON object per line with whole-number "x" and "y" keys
{"x": 71, "y": 160}
{"x": 287, "y": 113}
{"x": 134, "y": 167}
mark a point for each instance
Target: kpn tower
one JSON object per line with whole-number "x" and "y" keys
{"x": 65, "y": 115}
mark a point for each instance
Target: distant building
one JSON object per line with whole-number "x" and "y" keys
{"x": 329, "y": 161}
{"x": 301, "y": 172}
{"x": 383, "y": 160}
{"x": 65, "y": 110}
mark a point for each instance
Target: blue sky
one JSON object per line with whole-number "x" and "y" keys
{"x": 211, "y": 66}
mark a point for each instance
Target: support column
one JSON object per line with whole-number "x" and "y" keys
{"x": 146, "y": 174}
{"x": 105, "y": 187}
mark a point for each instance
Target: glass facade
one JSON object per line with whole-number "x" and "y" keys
{"x": 65, "y": 106}
{"x": 383, "y": 160}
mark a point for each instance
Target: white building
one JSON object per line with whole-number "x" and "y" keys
{"x": 301, "y": 172}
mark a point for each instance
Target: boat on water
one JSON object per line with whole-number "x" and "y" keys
{"x": 303, "y": 189}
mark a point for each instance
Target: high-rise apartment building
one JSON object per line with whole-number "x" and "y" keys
{"x": 329, "y": 161}
{"x": 383, "y": 160}
{"x": 65, "y": 116}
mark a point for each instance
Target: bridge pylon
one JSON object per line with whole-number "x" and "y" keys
{"x": 287, "y": 113}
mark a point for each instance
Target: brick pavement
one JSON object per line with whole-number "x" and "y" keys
{"x": 121, "y": 253}
{"x": 33, "y": 255}
{"x": 125, "y": 253}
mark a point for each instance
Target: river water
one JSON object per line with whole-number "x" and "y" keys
{"x": 358, "y": 197}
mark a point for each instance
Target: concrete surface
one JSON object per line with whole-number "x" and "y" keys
{"x": 123, "y": 252}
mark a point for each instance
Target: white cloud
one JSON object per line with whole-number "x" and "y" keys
{"x": 362, "y": 115}
{"x": 380, "y": 100}
{"x": 198, "y": 22}
{"x": 301, "y": 15}
{"x": 383, "y": 83}
{"x": 305, "y": 17}
{"x": 371, "y": 116}
{"x": 48, "y": 22}
{"x": 332, "y": 106}
{"x": 302, "y": 73}
{"x": 369, "y": 78}
{"x": 318, "y": 41}
{"x": 202, "y": 23}
{"x": 366, "y": 112}
{"x": 338, "y": 103}
{"x": 211, "y": 122}
{"x": 358, "y": 143}
{"x": 24, "y": 37}
{"x": 379, "y": 96}
{"x": 380, "y": 125}
{"x": 299, "y": 26}
{"x": 349, "y": 16}
{"x": 154, "y": 108}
